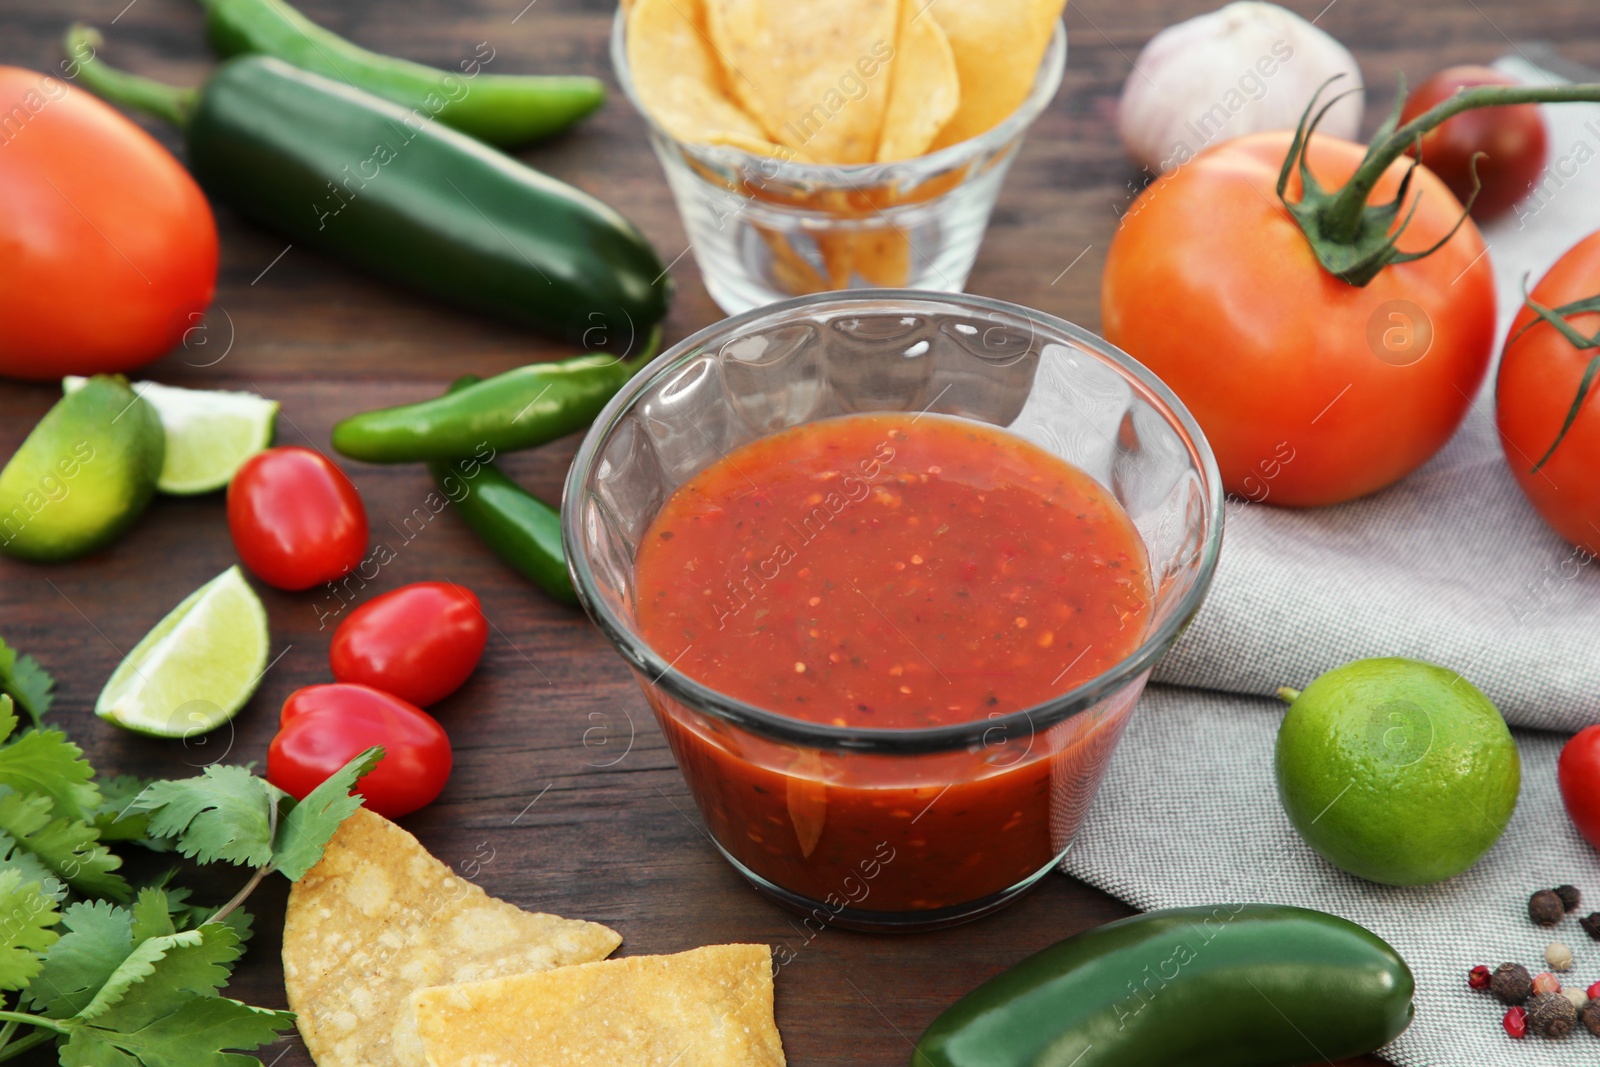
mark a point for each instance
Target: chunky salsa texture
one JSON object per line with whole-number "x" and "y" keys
{"x": 894, "y": 571}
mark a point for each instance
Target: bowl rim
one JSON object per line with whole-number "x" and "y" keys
{"x": 919, "y": 740}
{"x": 1046, "y": 84}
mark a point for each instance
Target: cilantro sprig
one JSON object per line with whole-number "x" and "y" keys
{"x": 124, "y": 977}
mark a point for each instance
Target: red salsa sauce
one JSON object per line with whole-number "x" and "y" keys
{"x": 893, "y": 571}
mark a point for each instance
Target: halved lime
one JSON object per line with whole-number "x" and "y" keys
{"x": 83, "y": 475}
{"x": 210, "y": 432}
{"x": 196, "y": 669}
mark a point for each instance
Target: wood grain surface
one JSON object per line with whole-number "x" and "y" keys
{"x": 564, "y": 797}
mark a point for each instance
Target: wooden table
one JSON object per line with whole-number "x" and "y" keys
{"x": 564, "y": 796}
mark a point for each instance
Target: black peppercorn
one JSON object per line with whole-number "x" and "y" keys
{"x": 1551, "y": 1015}
{"x": 1511, "y": 983}
{"x": 1591, "y": 924}
{"x": 1589, "y": 1016}
{"x": 1570, "y": 897}
{"x": 1545, "y": 908}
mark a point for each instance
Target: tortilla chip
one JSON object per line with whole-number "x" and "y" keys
{"x": 924, "y": 89}
{"x": 709, "y": 1007}
{"x": 379, "y": 918}
{"x": 812, "y": 72}
{"x": 998, "y": 45}
{"x": 677, "y": 76}
{"x": 883, "y": 258}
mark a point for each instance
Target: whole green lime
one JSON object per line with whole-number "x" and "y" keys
{"x": 1397, "y": 771}
{"x": 83, "y": 475}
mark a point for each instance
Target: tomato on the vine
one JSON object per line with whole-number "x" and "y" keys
{"x": 1578, "y": 774}
{"x": 1544, "y": 380}
{"x": 1511, "y": 139}
{"x": 419, "y": 642}
{"x": 295, "y": 518}
{"x": 323, "y": 727}
{"x": 1310, "y": 389}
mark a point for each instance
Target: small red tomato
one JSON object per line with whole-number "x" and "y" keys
{"x": 1578, "y": 772}
{"x": 323, "y": 727}
{"x": 1511, "y": 138}
{"x": 419, "y": 642}
{"x": 296, "y": 519}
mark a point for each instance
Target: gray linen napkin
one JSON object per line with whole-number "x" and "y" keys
{"x": 1452, "y": 566}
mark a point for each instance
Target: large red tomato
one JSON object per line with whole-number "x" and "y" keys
{"x": 1540, "y": 374}
{"x": 108, "y": 251}
{"x": 1311, "y": 390}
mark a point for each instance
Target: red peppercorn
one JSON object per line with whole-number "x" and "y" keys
{"x": 1516, "y": 1022}
{"x": 1545, "y": 982}
{"x": 1593, "y": 991}
{"x": 1478, "y": 977}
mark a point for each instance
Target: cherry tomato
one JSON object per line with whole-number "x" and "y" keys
{"x": 1310, "y": 390}
{"x": 419, "y": 642}
{"x": 296, "y": 519}
{"x": 323, "y": 727}
{"x": 1578, "y": 773}
{"x": 1540, "y": 372}
{"x": 109, "y": 249}
{"x": 1511, "y": 138}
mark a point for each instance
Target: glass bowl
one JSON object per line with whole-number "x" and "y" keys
{"x": 764, "y": 229}
{"x": 875, "y": 828}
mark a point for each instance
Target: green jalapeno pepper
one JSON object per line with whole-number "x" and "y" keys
{"x": 1235, "y": 985}
{"x": 348, "y": 173}
{"x": 499, "y": 108}
{"x": 520, "y": 528}
{"x": 522, "y": 408}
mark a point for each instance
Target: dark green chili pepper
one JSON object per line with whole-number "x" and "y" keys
{"x": 499, "y": 108}
{"x": 348, "y": 173}
{"x": 1235, "y": 985}
{"x": 520, "y": 528}
{"x": 522, "y": 408}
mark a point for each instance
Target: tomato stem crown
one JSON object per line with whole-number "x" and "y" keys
{"x": 1557, "y": 317}
{"x": 1355, "y": 240}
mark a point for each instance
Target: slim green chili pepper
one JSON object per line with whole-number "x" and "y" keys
{"x": 351, "y": 174}
{"x": 1235, "y": 985}
{"x": 520, "y": 528}
{"x": 522, "y": 408}
{"x": 499, "y": 108}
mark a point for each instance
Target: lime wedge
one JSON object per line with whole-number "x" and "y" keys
{"x": 210, "y": 433}
{"x": 196, "y": 669}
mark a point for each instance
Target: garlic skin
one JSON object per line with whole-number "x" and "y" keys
{"x": 1247, "y": 67}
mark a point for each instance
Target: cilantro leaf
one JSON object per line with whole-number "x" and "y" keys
{"x": 99, "y": 937}
{"x": 151, "y": 915}
{"x": 116, "y": 820}
{"x": 196, "y": 1034}
{"x": 27, "y": 918}
{"x": 44, "y": 761}
{"x": 187, "y": 916}
{"x": 226, "y": 813}
{"x": 310, "y": 824}
{"x": 27, "y": 682}
{"x": 70, "y": 849}
{"x": 200, "y": 968}
{"x": 139, "y": 965}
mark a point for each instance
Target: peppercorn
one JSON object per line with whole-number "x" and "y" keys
{"x": 1551, "y": 1015}
{"x": 1570, "y": 897}
{"x": 1578, "y": 997}
{"x": 1558, "y": 956}
{"x": 1545, "y": 908}
{"x": 1545, "y": 982}
{"x": 1516, "y": 1023}
{"x": 1589, "y": 1016}
{"x": 1478, "y": 977}
{"x": 1591, "y": 925}
{"x": 1511, "y": 983}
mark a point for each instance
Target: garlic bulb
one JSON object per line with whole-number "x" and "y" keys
{"x": 1249, "y": 66}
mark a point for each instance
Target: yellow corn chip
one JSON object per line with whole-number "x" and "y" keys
{"x": 924, "y": 88}
{"x": 709, "y": 1007}
{"x": 998, "y": 45}
{"x": 814, "y": 72}
{"x": 883, "y": 257}
{"x": 379, "y": 918}
{"x": 678, "y": 78}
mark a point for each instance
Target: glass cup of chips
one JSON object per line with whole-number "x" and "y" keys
{"x": 859, "y": 146}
